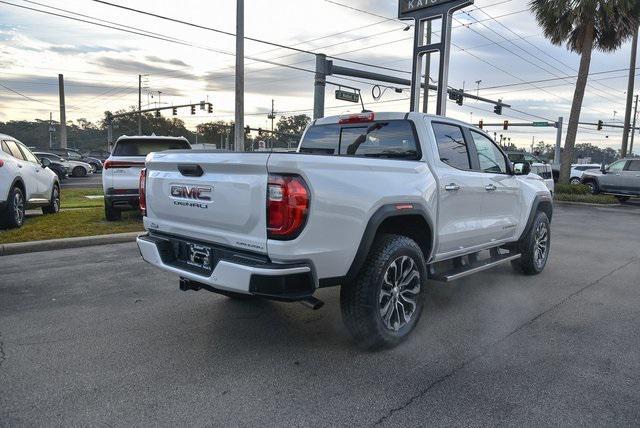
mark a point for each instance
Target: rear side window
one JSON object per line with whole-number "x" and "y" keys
{"x": 634, "y": 165}
{"x": 321, "y": 140}
{"x": 13, "y": 149}
{"x": 393, "y": 139}
{"x": 452, "y": 146}
{"x": 134, "y": 147}
{"x": 27, "y": 154}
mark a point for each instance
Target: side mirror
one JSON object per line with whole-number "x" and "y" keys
{"x": 522, "y": 168}
{"x": 603, "y": 168}
{"x": 45, "y": 162}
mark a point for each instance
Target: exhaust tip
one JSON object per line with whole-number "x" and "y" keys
{"x": 312, "y": 303}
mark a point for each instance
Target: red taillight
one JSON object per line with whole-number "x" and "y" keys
{"x": 142, "y": 190}
{"x": 287, "y": 206}
{"x": 120, "y": 164}
{"x": 1, "y": 163}
{"x": 357, "y": 118}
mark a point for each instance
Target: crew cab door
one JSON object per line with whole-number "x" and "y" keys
{"x": 460, "y": 192}
{"x": 501, "y": 205}
{"x": 613, "y": 181}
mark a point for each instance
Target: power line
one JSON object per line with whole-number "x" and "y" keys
{"x": 24, "y": 96}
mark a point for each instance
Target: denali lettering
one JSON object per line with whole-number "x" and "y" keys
{"x": 191, "y": 192}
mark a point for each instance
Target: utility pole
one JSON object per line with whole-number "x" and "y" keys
{"x": 139, "y": 104}
{"x": 632, "y": 75}
{"x": 51, "y": 130}
{"x": 239, "y": 124}
{"x": 633, "y": 128}
{"x": 63, "y": 113}
{"x": 557, "y": 152}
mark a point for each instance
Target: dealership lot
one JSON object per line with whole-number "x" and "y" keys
{"x": 96, "y": 336}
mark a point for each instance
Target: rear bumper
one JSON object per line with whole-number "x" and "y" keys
{"x": 233, "y": 271}
{"x": 125, "y": 201}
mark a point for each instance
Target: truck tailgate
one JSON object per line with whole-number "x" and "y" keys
{"x": 209, "y": 196}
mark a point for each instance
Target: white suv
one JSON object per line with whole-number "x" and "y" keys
{"x": 121, "y": 171}
{"x": 24, "y": 183}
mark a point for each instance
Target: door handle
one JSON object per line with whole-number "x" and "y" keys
{"x": 490, "y": 188}
{"x": 453, "y": 187}
{"x": 19, "y": 166}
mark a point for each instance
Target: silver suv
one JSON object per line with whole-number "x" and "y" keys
{"x": 621, "y": 179}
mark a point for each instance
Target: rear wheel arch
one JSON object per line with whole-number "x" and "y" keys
{"x": 413, "y": 223}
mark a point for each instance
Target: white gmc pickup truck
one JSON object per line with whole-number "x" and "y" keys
{"x": 378, "y": 203}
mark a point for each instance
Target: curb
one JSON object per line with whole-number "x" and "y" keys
{"x": 65, "y": 243}
{"x": 586, "y": 204}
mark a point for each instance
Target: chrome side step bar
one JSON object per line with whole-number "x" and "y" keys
{"x": 479, "y": 266}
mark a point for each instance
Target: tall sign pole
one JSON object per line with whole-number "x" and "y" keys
{"x": 139, "y": 104}
{"x": 423, "y": 13}
{"x": 239, "y": 123}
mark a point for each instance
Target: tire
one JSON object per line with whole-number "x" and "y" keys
{"x": 533, "y": 261}
{"x": 79, "y": 172}
{"x": 363, "y": 302}
{"x": 112, "y": 214}
{"x": 594, "y": 189}
{"x": 622, "y": 199}
{"x": 574, "y": 180}
{"x": 13, "y": 215}
{"x": 54, "y": 205}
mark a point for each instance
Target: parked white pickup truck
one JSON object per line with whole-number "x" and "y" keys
{"x": 377, "y": 203}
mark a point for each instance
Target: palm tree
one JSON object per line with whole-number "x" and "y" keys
{"x": 584, "y": 25}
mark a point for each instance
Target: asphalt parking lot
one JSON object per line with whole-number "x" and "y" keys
{"x": 95, "y": 336}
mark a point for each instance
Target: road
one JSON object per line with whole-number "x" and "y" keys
{"x": 97, "y": 337}
{"x": 92, "y": 180}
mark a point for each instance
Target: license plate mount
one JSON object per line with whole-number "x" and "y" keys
{"x": 199, "y": 256}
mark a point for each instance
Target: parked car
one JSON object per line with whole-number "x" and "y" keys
{"x": 120, "y": 178}
{"x": 61, "y": 171}
{"x": 577, "y": 170}
{"x": 538, "y": 167}
{"x": 76, "y": 156}
{"x": 621, "y": 179}
{"x": 374, "y": 202}
{"x": 102, "y": 155}
{"x": 25, "y": 183}
{"x": 75, "y": 168}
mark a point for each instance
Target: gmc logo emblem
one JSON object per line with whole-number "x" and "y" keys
{"x": 191, "y": 192}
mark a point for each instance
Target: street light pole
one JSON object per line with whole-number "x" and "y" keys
{"x": 632, "y": 75}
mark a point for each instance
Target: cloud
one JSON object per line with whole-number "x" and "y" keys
{"x": 177, "y": 62}
{"x": 276, "y": 81}
{"x": 131, "y": 66}
{"x": 80, "y": 49}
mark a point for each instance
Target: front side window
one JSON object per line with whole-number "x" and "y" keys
{"x": 617, "y": 166}
{"x": 634, "y": 165}
{"x": 490, "y": 156}
{"x": 393, "y": 139}
{"x": 452, "y": 146}
{"x": 27, "y": 154}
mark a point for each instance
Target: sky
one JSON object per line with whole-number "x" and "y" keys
{"x": 496, "y": 42}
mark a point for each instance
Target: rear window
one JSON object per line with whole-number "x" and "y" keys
{"x": 134, "y": 147}
{"x": 394, "y": 139}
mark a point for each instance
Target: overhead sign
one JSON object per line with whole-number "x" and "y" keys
{"x": 540, "y": 123}
{"x": 352, "y": 97}
{"x": 408, "y": 6}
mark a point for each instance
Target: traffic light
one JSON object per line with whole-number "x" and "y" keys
{"x": 457, "y": 96}
{"x": 260, "y": 132}
{"x": 600, "y": 125}
{"x": 175, "y": 111}
{"x": 498, "y": 109}
{"x": 247, "y": 130}
{"x": 193, "y": 109}
{"x": 202, "y": 105}
{"x": 505, "y": 125}
{"x": 158, "y": 113}
{"x": 210, "y": 110}
{"x": 481, "y": 124}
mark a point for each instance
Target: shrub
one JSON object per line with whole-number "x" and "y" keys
{"x": 572, "y": 189}
{"x": 588, "y": 198}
